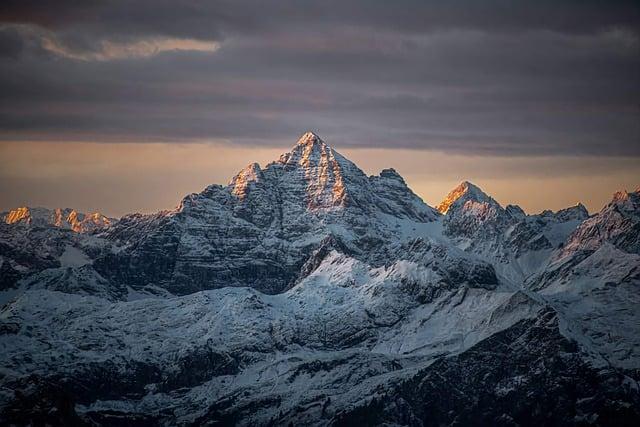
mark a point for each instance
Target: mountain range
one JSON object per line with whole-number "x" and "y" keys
{"x": 308, "y": 293}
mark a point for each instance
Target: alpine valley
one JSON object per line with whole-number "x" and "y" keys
{"x": 308, "y": 293}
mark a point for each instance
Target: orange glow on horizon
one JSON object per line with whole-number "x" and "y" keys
{"x": 116, "y": 178}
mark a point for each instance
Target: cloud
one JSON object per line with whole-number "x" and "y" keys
{"x": 11, "y": 43}
{"x": 16, "y": 38}
{"x": 144, "y": 48}
{"x": 556, "y": 78}
{"x": 211, "y": 19}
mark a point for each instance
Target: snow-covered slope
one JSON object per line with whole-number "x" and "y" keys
{"x": 307, "y": 292}
{"x": 594, "y": 279}
{"x": 193, "y": 352}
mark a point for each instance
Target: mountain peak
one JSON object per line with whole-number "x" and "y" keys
{"x": 620, "y": 196}
{"x": 310, "y": 138}
{"x": 391, "y": 173}
{"x": 16, "y": 215}
{"x": 515, "y": 211}
{"x": 576, "y": 212}
{"x": 59, "y": 217}
{"x": 628, "y": 201}
{"x": 309, "y": 145}
{"x": 311, "y": 152}
{"x": 325, "y": 172}
{"x": 581, "y": 208}
{"x": 465, "y": 191}
{"x": 240, "y": 182}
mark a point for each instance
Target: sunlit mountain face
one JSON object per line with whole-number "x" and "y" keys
{"x": 319, "y": 213}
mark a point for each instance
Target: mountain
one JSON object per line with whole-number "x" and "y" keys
{"x": 516, "y": 244}
{"x": 595, "y": 276}
{"x": 43, "y": 243}
{"x": 262, "y": 228}
{"x": 63, "y": 218}
{"x": 618, "y": 223}
{"x": 308, "y": 293}
{"x": 465, "y": 193}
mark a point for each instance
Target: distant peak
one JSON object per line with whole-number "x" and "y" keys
{"x": 576, "y": 212}
{"x": 17, "y": 215}
{"x": 580, "y": 207}
{"x": 620, "y": 196}
{"x": 515, "y": 211}
{"x": 466, "y": 191}
{"x": 391, "y": 173}
{"x": 624, "y": 198}
{"x": 58, "y": 217}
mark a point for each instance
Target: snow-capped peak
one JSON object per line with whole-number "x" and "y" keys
{"x": 462, "y": 193}
{"x": 309, "y": 138}
{"x": 326, "y": 173}
{"x": 309, "y": 151}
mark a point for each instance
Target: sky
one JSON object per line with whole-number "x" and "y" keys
{"x": 123, "y": 106}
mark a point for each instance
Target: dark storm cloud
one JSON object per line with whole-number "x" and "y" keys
{"x": 496, "y": 77}
{"x": 207, "y": 18}
{"x": 11, "y": 43}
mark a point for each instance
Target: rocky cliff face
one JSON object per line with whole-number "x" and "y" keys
{"x": 307, "y": 292}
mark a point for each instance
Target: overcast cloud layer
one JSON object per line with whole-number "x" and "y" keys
{"x": 493, "y": 77}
